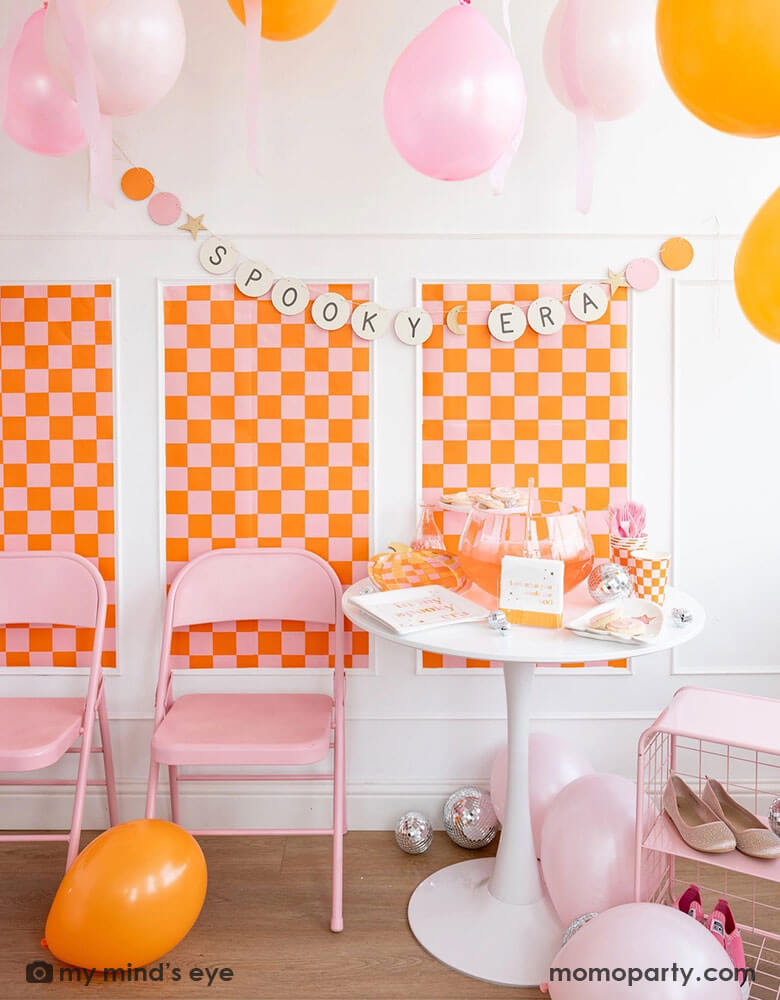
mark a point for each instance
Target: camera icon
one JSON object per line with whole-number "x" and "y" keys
{"x": 40, "y": 972}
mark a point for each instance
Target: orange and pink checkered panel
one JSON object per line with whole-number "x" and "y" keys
{"x": 554, "y": 408}
{"x": 57, "y": 449}
{"x": 267, "y": 444}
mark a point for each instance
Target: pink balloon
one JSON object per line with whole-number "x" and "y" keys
{"x": 39, "y": 115}
{"x": 610, "y": 58}
{"x": 137, "y": 47}
{"x": 455, "y": 99}
{"x": 553, "y": 764}
{"x": 588, "y": 845}
{"x": 639, "y": 937}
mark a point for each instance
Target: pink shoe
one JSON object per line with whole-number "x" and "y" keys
{"x": 690, "y": 903}
{"x": 721, "y": 924}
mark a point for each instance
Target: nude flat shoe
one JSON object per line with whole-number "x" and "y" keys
{"x": 696, "y": 823}
{"x": 753, "y": 837}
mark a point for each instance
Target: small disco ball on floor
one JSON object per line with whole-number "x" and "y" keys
{"x": 470, "y": 819}
{"x": 413, "y": 833}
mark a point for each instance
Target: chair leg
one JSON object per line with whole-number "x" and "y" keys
{"x": 108, "y": 761}
{"x": 174, "y": 788}
{"x": 339, "y": 825}
{"x": 151, "y": 788}
{"x": 81, "y": 790}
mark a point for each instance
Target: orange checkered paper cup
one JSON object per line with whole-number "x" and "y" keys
{"x": 648, "y": 570}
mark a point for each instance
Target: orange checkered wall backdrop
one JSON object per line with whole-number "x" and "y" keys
{"x": 267, "y": 444}
{"x": 554, "y": 408}
{"x": 57, "y": 448}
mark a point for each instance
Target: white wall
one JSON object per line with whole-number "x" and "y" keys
{"x": 335, "y": 201}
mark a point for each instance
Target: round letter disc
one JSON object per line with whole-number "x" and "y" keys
{"x": 370, "y": 321}
{"x": 588, "y": 303}
{"x": 217, "y": 256}
{"x": 290, "y": 296}
{"x": 254, "y": 278}
{"x": 330, "y": 311}
{"x": 413, "y": 326}
{"x": 507, "y": 322}
{"x": 546, "y": 315}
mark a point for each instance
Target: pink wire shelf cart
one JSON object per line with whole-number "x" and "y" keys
{"x": 735, "y": 739}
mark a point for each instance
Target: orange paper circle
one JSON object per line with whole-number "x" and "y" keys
{"x": 284, "y": 20}
{"x": 676, "y": 254}
{"x": 137, "y": 183}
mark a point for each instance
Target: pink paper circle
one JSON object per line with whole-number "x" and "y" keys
{"x": 164, "y": 208}
{"x": 642, "y": 274}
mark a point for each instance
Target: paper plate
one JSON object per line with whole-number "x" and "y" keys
{"x": 631, "y": 607}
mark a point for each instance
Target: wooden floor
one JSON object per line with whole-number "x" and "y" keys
{"x": 266, "y": 917}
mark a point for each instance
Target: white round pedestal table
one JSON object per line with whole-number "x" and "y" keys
{"x": 492, "y": 918}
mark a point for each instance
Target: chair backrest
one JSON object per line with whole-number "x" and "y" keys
{"x": 51, "y": 588}
{"x": 246, "y": 584}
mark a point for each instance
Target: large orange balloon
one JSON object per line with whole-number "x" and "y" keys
{"x": 722, "y": 59}
{"x": 128, "y": 898}
{"x": 755, "y": 270}
{"x": 284, "y": 20}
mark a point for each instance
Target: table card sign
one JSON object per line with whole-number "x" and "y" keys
{"x": 532, "y": 591}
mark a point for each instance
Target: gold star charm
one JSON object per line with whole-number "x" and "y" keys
{"x": 617, "y": 279}
{"x": 194, "y": 225}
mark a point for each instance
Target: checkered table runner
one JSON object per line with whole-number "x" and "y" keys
{"x": 57, "y": 449}
{"x": 267, "y": 443}
{"x": 554, "y": 408}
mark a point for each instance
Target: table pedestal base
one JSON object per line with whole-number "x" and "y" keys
{"x": 455, "y": 917}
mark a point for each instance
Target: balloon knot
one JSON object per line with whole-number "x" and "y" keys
{"x": 43, "y": 943}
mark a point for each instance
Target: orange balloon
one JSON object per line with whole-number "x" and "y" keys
{"x": 284, "y": 20}
{"x": 128, "y": 898}
{"x": 755, "y": 270}
{"x": 722, "y": 59}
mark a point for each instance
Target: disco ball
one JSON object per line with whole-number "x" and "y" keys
{"x": 470, "y": 819}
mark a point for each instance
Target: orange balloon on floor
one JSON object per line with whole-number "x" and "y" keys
{"x": 756, "y": 270}
{"x": 722, "y": 59}
{"x": 128, "y": 898}
{"x": 284, "y": 20}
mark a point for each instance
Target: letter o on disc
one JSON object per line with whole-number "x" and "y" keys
{"x": 507, "y": 322}
{"x": 330, "y": 311}
{"x": 217, "y": 256}
{"x": 290, "y": 296}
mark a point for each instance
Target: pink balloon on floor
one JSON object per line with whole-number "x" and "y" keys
{"x": 137, "y": 47}
{"x": 639, "y": 937}
{"x": 455, "y": 99}
{"x": 39, "y": 115}
{"x": 588, "y": 845}
{"x": 553, "y": 763}
{"x": 613, "y": 45}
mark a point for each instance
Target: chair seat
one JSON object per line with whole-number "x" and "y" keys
{"x": 239, "y": 729}
{"x": 36, "y": 732}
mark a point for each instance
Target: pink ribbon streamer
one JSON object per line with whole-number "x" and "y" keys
{"x": 15, "y": 28}
{"x": 500, "y": 168}
{"x": 96, "y": 126}
{"x": 253, "y": 15}
{"x": 586, "y": 122}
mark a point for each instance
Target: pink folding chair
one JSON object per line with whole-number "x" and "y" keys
{"x": 56, "y": 588}
{"x": 215, "y": 730}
